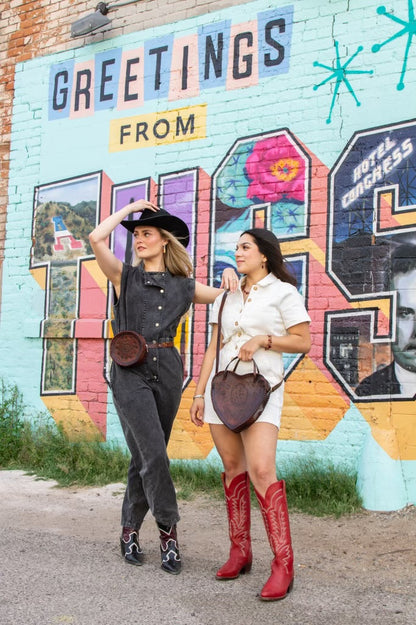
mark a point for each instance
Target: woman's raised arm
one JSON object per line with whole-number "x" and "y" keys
{"x": 205, "y": 294}
{"x": 109, "y": 264}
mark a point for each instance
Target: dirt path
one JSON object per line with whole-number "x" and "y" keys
{"x": 60, "y": 564}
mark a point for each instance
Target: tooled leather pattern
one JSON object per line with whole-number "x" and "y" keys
{"x": 276, "y": 521}
{"x": 238, "y": 505}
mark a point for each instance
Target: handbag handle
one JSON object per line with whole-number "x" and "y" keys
{"x": 224, "y": 297}
{"x": 255, "y": 367}
{"x": 256, "y": 371}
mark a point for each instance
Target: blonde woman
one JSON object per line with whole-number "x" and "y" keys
{"x": 150, "y": 298}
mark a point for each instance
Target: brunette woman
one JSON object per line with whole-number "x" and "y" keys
{"x": 265, "y": 317}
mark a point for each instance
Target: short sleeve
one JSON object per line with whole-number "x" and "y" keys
{"x": 292, "y": 309}
{"x": 213, "y": 315}
{"x": 188, "y": 292}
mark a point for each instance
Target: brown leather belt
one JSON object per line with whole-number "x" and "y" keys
{"x": 165, "y": 344}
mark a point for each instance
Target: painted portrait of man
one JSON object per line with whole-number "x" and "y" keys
{"x": 399, "y": 377}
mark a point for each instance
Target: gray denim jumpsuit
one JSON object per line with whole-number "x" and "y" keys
{"x": 147, "y": 396}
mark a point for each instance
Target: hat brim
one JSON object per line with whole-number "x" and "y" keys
{"x": 168, "y": 222}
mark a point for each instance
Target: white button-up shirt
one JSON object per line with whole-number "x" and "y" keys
{"x": 271, "y": 307}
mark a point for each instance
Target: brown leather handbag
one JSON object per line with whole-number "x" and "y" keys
{"x": 128, "y": 348}
{"x": 238, "y": 399}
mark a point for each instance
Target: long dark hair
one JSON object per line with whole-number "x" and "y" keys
{"x": 268, "y": 245}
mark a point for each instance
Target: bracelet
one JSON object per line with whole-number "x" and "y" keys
{"x": 199, "y": 397}
{"x": 269, "y": 342}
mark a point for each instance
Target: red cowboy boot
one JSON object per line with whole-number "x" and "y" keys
{"x": 276, "y": 520}
{"x": 237, "y": 498}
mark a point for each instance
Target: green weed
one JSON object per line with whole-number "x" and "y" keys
{"x": 40, "y": 447}
{"x": 322, "y": 489}
{"x": 11, "y": 424}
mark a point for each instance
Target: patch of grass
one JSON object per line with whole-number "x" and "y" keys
{"x": 322, "y": 490}
{"x": 193, "y": 477}
{"x": 48, "y": 453}
{"x": 310, "y": 487}
{"x": 11, "y": 425}
{"x": 40, "y": 447}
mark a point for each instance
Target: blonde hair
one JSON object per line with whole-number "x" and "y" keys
{"x": 176, "y": 258}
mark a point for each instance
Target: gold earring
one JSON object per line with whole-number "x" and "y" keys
{"x": 164, "y": 249}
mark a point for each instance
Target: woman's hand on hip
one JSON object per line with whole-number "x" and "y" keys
{"x": 197, "y": 411}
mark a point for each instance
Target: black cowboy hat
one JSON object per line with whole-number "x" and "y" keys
{"x": 160, "y": 219}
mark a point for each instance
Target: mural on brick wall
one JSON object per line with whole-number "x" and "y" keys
{"x": 372, "y": 238}
{"x": 213, "y": 122}
{"x": 64, "y": 215}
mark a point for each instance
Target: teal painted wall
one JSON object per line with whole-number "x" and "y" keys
{"x": 298, "y": 116}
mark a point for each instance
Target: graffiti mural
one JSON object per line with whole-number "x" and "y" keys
{"x": 64, "y": 214}
{"x": 407, "y": 28}
{"x": 231, "y": 120}
{"x": 63, "y": 265}
{"x": 372, "y": 235}
{"x": 339, "y": 75}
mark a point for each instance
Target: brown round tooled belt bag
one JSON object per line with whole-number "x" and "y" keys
{"x": 128, "y": 348}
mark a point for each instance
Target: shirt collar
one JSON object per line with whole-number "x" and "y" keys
{"x": 269, "y": 279}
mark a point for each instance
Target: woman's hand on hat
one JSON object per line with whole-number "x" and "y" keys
{"x": 229, "y": 280}
{"x": 140, "y": 205}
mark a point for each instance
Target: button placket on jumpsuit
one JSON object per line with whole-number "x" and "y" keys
{"x": 147, "y": 397}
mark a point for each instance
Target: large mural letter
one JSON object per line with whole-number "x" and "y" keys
{"x": 266, "y": 181}
{"x": 372, "y": 257}
{"x": 65, "y": 212}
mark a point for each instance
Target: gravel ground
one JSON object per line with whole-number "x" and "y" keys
{"x": 60, "y": 563}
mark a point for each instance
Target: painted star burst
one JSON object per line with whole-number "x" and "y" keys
{"x": 339, "y": 75}
{"x": 409, "y": 28}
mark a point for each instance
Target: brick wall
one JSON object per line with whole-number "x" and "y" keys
{"x": 294, "y": 116}
{"x": 33, "y": 28}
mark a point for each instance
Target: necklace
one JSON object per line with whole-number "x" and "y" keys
{"x": 246, "y": 292}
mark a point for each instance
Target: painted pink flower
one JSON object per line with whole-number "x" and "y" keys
{"x": 276, "y": 170}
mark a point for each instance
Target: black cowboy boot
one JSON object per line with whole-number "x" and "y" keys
{"x": 130, "y": 548}
{"x": 169, "y": 549}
